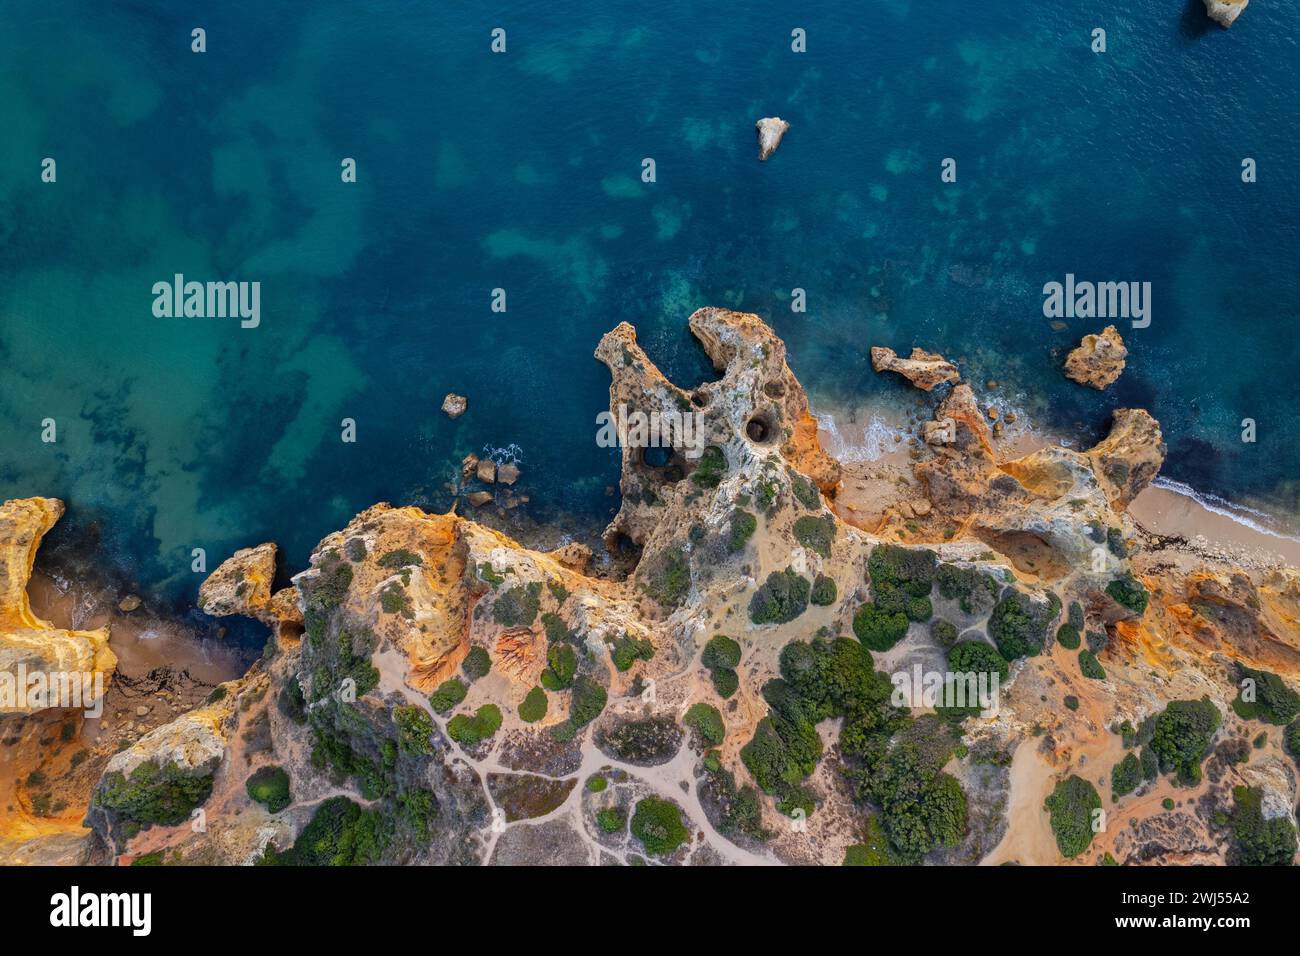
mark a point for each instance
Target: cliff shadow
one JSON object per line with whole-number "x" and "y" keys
{"x": 1195, "y": 22}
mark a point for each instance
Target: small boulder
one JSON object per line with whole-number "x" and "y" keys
{"x": 129, "y": 604}
{"x": 487, "y": 471}
{"x": 455, "y": 405}
{"x": 508, "y": 473}
{"x": 771, "y": 130}
{"x": 1225, "y": 12}
{"x": 468, "y": 467}
{"x": 1099, "y": 359}
{"x": 479, "y": 498}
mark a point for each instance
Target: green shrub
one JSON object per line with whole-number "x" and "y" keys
{"x": 657, "y": 823}
{"x": 975, "y": 591}
{"x": 943, "y": 632}
{"x": 1129, "y": 592}
{"x": 782, "y": 598}
{"x": 330, "y": 587}
{"x": 824, "y": 591}
{"x": 558, "y": 590}
{"x": 816, "y": 533}
{"x": 562, "y": 664}
{"x": 1018, "y": 625}
{"x": 340, "y": 833}
{"x": 534, "y": 706}
{"x": 725, "y": 681}
{"x": 400, "y": 558}
{"x": 1072, "y": 806}
{"x": 477, "y": 663}
{"x": 1258, "y": 841}
{"x": 589, "y": 700}
{"x": 471, "y": 731}
{"x": 670, "y": 581}
{"x": 414, "y": 728}
{"x": 805, "y": 492}
{"x": 597, "y": 783}
{"x": 153, "y": 795}
{"x": 627, "y": 650}
{"x": 611, "y": 820}
{"x": 918, "y": 609}
{"x": 1274, "y": 703}
{"x": 977, "y": 657}
{"x": 720, "y": 651}
{"x": 1074, "y": 617}
{"x": 1167, "y": 803}
{"x": 1125, "y": 776}
{"x": 706, "y": 720}
{"x": 711, "y": 468}
{"x": 921, "y": 808}
{"x": 1150, "y": 764}
{"x": 877, "y": 629}
{"x": 556, "y": 630}
{"x": 269, "y": 786}
{"x": 911, "y": 570}
{"x": 1292, "y": 740}
{"x": 1067, "y": 635}
{"x": 743, "y": 525}
{"x": 1071, "y": 702}
{"x": 518, "y": 606}
{"x": 1090, "y": 667}
{"x": 448, "y": 695}
{"x": 1182, "y": 737}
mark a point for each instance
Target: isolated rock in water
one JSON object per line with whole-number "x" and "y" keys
{"x": 487, "y": 471}
{"x": 1098, "y": 360}
{"x": 923, "y": 369}
{"x": 1225, "y": 12}
{"x": 508, "y": 473}
{"x": 771, "y": 129}
{"x": 468, "y": 467}
{"x": 479, "y": 498}
{"x": 26, "y": 640}
{"x": 455, "y": 405}
{"x": 129, "y": 604}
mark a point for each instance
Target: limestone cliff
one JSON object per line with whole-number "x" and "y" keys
{"x": 28, "y": 645}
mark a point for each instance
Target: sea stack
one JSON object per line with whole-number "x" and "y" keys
{"x": 1098, "y": 360}
{"x": 924, "y": 369}
{"x": 1225, "y": 12}
{"x": 771, "y": 129}
{"x": 455, "y": 405}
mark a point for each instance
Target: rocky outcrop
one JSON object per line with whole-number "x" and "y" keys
{"x": 1129, "y": 457}
{"x": 923, "y": 369}
{"x": 771, "y": 130}
{"x": 1224, "y": 611}
{"x": 455, "y": 405}
{"x": 1098, "y": 360}
{"x": 33, "y": 653}
{"x": 1225, "y": 12}
{"x": 242, "y": 585}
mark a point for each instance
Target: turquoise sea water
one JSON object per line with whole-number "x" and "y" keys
{"x": 522, "y": 171}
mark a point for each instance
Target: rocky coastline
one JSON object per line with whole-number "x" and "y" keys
{"x": 447, "y": 695}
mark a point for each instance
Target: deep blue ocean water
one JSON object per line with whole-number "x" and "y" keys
{"x": 522, "y": 171}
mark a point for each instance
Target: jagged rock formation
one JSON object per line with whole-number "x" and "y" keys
{"x": 1225, "y": 12}
{"x": 444, "y": 669}
{"x": 455, "y": 405}
{"x": 771, "y": 130}
{"x": 1098, "y": 360}
{"x": 923, "y": 369}
{"x": 29, "y": 646}
{"x": 242, "y": 585}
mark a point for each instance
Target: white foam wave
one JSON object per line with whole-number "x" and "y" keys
{"x": 877, "y": 439}
{"x": 1241, "y": 514}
